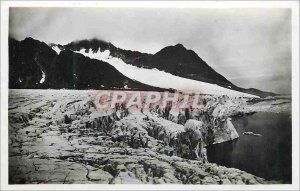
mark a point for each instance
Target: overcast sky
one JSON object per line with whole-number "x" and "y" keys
{"x": 250, "y": 47}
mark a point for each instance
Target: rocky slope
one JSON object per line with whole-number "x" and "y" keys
{"x": 95, "y": 45}
{"x": 176, "y": 60}
{"x": 34, "y": 65}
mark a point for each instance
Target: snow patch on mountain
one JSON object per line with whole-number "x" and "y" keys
{"x": 56, "y": 49}
{"x": 159, "y": 78}
{"x": 43, "y": 77}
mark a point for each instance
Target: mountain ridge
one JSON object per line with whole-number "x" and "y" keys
{"x": 35, "y": 65}
{"x": 176, "y": 60}
{"x": 179, "y": 61}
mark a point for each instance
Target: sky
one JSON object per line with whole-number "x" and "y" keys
{"x": 251, "y": 47}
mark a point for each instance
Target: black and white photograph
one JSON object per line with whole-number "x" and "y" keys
{"x": 154, "y": 95}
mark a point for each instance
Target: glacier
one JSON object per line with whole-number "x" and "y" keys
{"x": 162, "y": 79}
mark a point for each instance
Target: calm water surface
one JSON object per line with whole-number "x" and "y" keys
{"x": 268, "y": 156}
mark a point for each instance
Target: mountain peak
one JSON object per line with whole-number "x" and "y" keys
{"x": 97, "y": 40}
{"x": 29, "y": 38}
{"x": 93, "y": 44}
{"x": 178, "y": 49}
{"x": 179, "y": 46}
{"x": 93, "y": 41}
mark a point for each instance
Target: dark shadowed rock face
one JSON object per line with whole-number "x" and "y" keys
{"x": 179, "y": 61}
{"x": 28, "y": 59}
{"x": 127, "y": 56}
{"x": 176, "y": 60}
{"x": 182, "y": 62}
{"x": 75, "y": 71}
{"x": 34, "y": 65}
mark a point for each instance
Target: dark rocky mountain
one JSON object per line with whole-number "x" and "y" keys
{"x": 34, "y": 65}
{"x": 30, "y": 59}
{"x": 127, "y": 56}
{"x": 176, "y": 60}
{"x": 182, "y": 62}
{"x": 75, "y": 71}
{"x": 179, "y": 61}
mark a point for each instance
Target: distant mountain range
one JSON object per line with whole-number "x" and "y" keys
{"x": 34, "y": 64}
